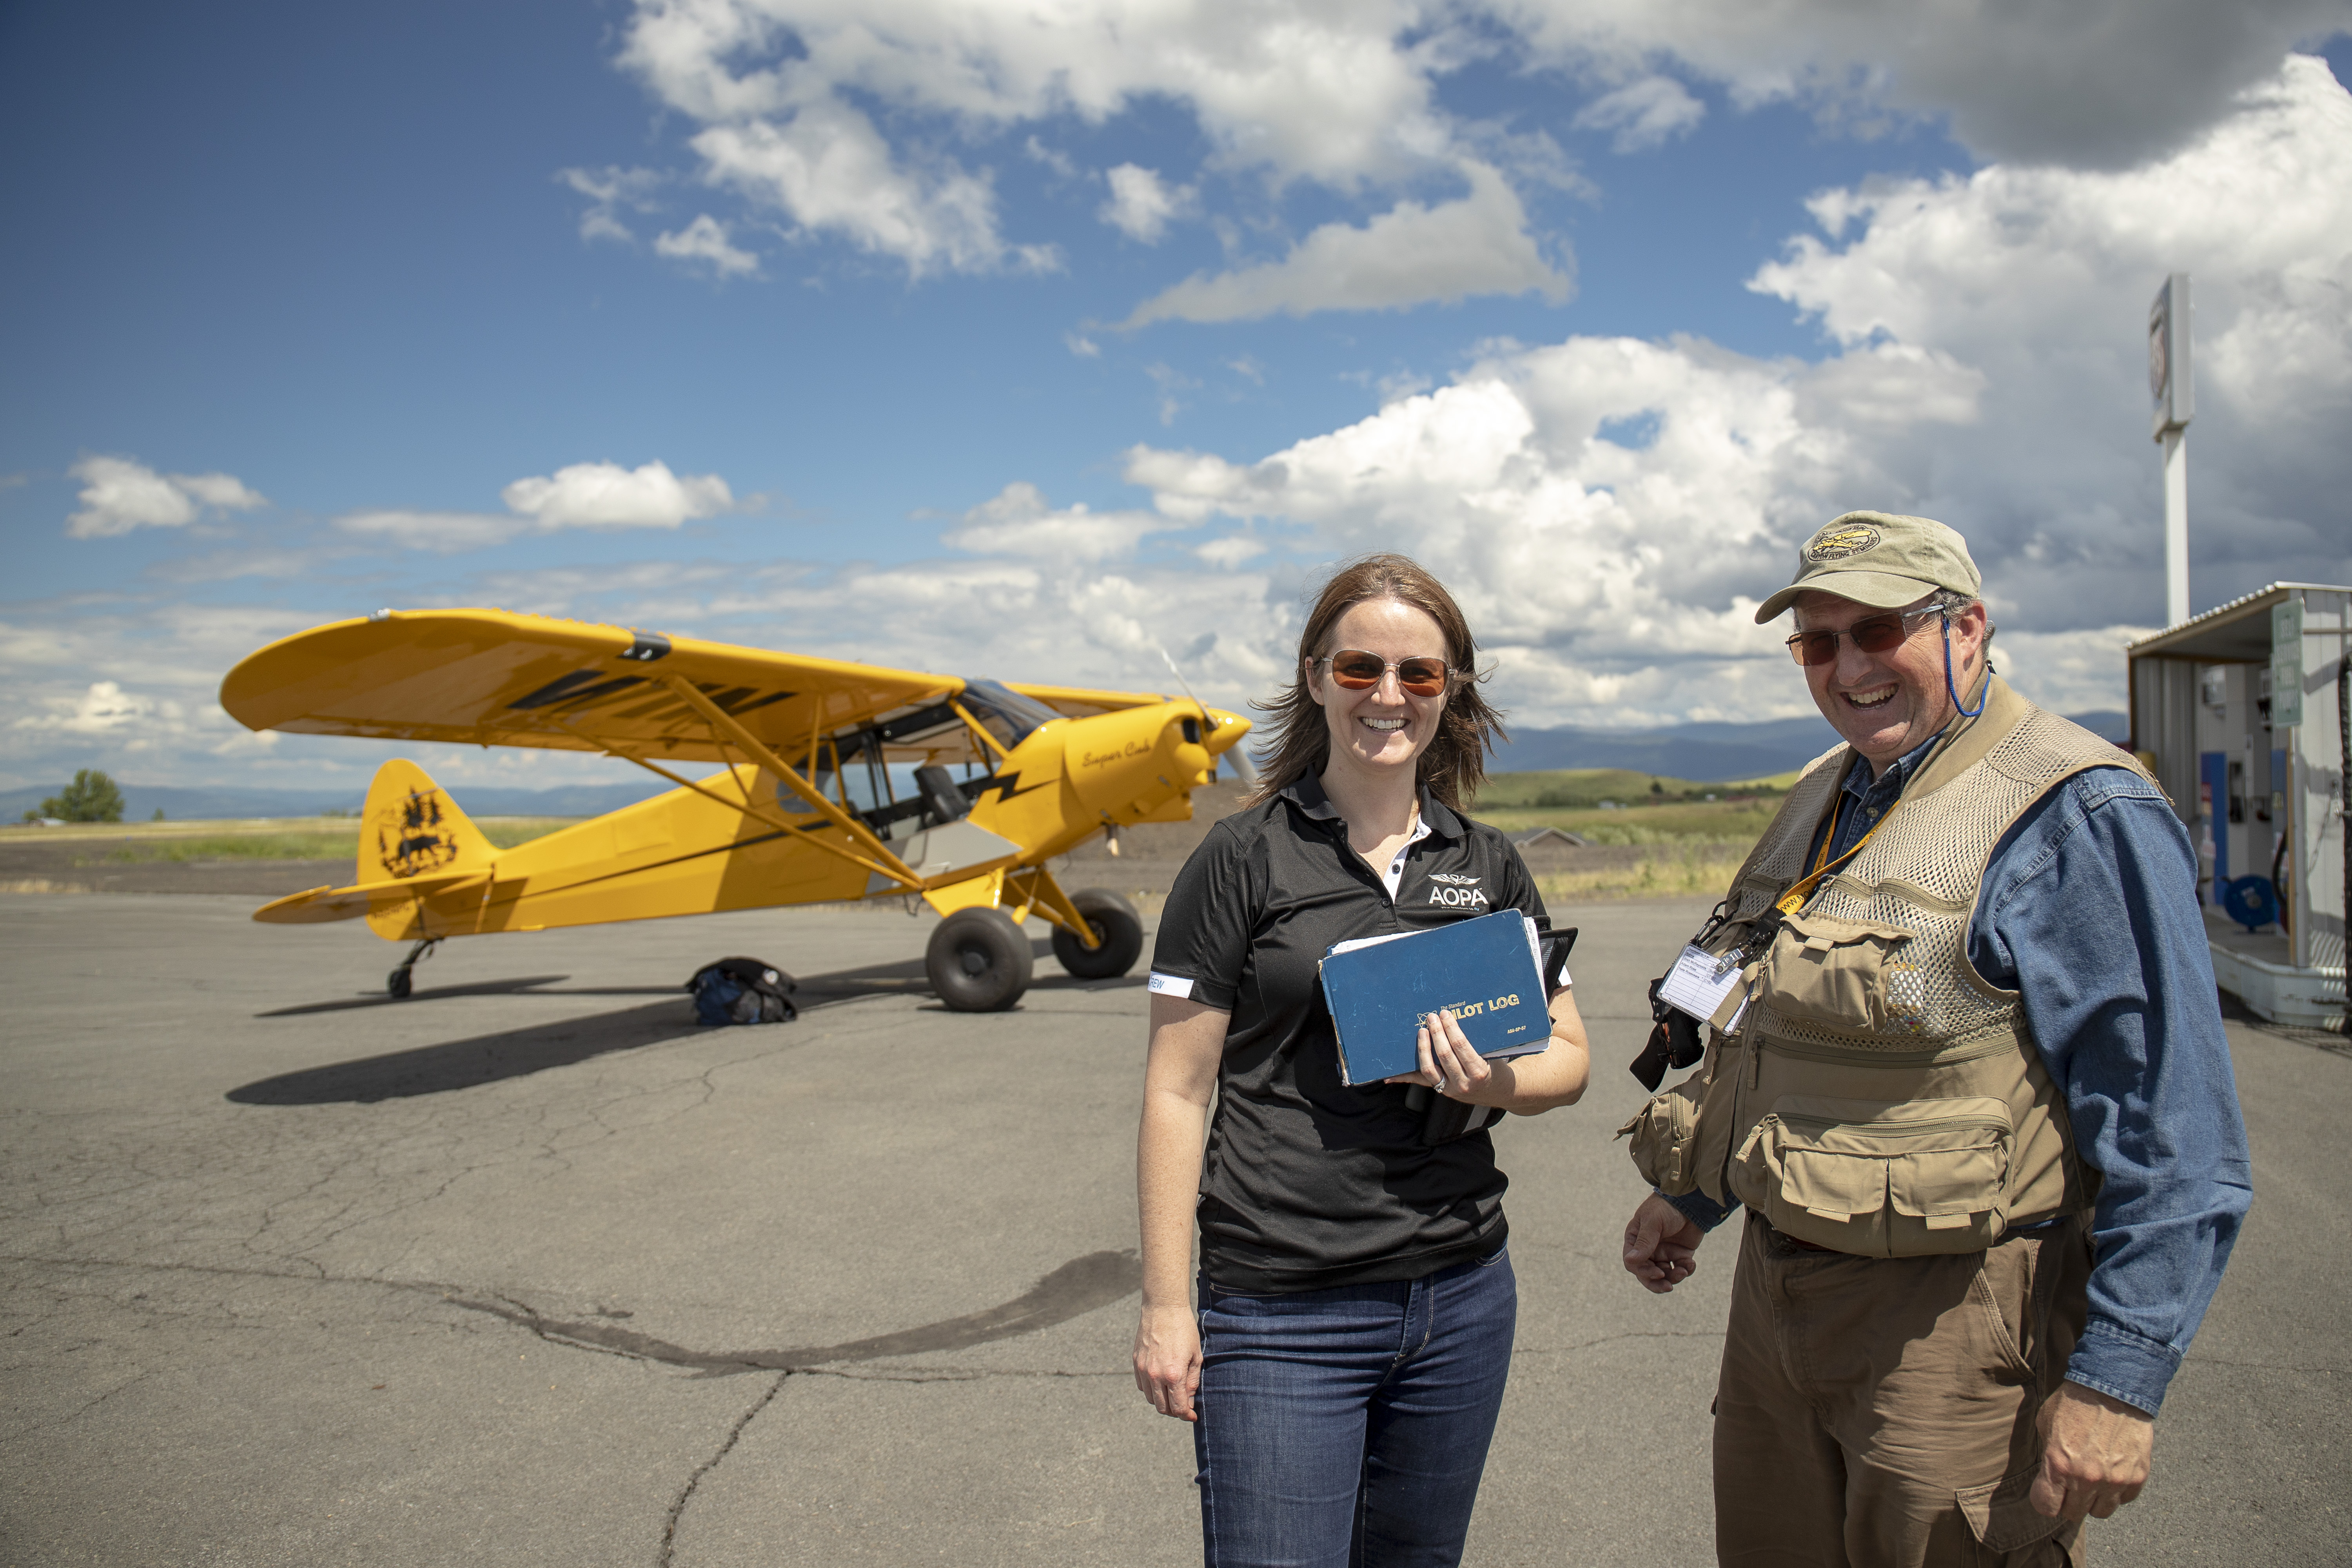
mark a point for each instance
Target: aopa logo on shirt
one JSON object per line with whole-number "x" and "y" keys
{"x": 1455, "y": 891}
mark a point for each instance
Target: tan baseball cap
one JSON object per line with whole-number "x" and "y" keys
{"x": 1880, "y": 559}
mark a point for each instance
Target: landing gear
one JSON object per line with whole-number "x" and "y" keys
{"x": 1118, "y": 929}
{"x": 978, "y": 961}
{"x": 396, "y": 983}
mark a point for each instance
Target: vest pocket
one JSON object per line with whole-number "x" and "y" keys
{"x": 1906, "y": 1180}
{"x": 1666, "y": 1136}
{"x": 1823, "y": 970}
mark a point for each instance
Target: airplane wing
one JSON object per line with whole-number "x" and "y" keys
{"x": 492, "y": 678}
{"x": 1084, "y": 703}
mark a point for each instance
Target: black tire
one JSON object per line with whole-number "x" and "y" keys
{"x": 1116, "y": 926}
{"x": 978, "y": 961}
{"x": 396, "y": 983}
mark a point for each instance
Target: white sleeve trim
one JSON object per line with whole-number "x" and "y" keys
{"x": 1177, "y": 985}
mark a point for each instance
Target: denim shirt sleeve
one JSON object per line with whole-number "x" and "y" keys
{"x": 2089, "y": 909}
{"x": 1700, "y": 1210}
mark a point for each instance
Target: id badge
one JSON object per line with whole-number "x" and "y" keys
{"x": 1700, "y": 982}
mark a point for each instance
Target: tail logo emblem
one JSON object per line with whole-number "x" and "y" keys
{"x": 409, "y": 838}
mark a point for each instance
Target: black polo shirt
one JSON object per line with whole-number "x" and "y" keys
{"x": 1308, "y": 1182}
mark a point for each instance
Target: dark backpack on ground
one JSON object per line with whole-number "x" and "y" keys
{"x": 742, "y": 991}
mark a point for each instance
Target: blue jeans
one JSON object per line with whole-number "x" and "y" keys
{"x": 1347, "y": 1428}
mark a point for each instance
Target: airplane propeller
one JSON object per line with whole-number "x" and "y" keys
{"x": 1236, "y": 756}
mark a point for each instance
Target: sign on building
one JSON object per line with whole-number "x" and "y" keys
{"x": 2286, "y": 663}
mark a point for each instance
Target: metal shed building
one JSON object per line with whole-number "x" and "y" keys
{"x": 2242, "y": 712}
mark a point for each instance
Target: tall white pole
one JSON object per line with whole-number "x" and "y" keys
{"x": 2175, "y": 525}
{"x": 2172, "y": 389}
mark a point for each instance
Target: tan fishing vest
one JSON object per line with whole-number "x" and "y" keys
{"x": 1877, "y": 1096}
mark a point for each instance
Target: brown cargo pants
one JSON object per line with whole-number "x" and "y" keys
{"x": 1879, "y": 1412}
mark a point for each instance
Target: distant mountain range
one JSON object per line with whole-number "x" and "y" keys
{"x": 1705, "y": 752}
{"x": 1709, "y": 753}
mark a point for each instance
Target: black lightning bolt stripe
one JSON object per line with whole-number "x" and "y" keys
{"x": 582, "y": 687}
{"x": 573, "y": 687}
{"x": 1004, "y": 787}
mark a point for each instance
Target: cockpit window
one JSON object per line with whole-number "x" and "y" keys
{"x": 1004, "y": 712}
{"x": 844, "y": 767}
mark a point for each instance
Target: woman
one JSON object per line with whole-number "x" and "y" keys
{"x": 1356, "y": 1302}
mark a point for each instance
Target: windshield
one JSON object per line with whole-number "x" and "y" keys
{"x": 1004, "y": 712}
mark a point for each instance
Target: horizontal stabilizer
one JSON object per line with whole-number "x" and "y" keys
{"x": 320, "y": 905}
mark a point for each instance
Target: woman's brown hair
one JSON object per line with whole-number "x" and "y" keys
{"x": 1454, "y": 765}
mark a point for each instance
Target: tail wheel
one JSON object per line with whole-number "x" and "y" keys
{"x": 978, "y": 961}
{"x": 1118, "y": 931}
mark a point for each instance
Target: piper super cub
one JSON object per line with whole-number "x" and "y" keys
{"x": 806, "y": 807}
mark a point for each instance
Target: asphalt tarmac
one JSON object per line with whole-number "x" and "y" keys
{"x": 529, "y": 1270}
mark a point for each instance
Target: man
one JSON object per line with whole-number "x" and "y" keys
{"x": 1969, "y": 1077}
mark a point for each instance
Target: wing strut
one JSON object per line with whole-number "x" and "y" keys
{"x": 883, "y": 862}
{"x": 889, "y": 864}
{"x": 744, "y": 806}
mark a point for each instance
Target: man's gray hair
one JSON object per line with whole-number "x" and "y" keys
{"x": 1951, "y": 601}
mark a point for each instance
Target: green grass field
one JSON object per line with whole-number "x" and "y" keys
{"x": 1694, "y": 844}
{"x": 1651, "y": 809}
{"x": 1575, "y": 788}
{"x": 330, "y": 839}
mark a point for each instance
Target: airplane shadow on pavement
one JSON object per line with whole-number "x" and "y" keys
{"x": 482, "y": 1059}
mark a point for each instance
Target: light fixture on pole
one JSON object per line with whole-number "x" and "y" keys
{"x": 2169, "y": 384}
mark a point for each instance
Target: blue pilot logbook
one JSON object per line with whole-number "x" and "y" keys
{"x": 1488, "y": 969}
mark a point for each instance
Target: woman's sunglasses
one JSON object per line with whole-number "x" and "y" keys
{"x": 1356, "y": 670}
{"x": 1877, "y": 635}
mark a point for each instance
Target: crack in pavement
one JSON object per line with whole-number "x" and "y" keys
{"x": 1077, "y": 1287}
{"x": 1080, "y": 1285}
{"x": 685, "y": 1494}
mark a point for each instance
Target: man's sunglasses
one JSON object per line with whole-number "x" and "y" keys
{"x": 1356, "y": 670}
{"x": 1878, "y": 634}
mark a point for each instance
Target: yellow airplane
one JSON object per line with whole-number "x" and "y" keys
{"x": 805, "y": 809}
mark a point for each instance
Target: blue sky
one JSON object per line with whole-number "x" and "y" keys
{"x": 1532, "y": 292}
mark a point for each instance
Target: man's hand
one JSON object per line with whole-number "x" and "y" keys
{"x": 1660, "y": 1245}
{"x": 2094, "y": 1453}
{"x": 1167, "y": 1359}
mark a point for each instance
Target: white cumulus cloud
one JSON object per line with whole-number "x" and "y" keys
{"x": 1645, "y": 113}
{"x": 1019, "y": 522}
{"x": 104, "y": 709}
{"x": 130, "y": 723}
{"x": 2039, "y": 279}
{"x": 607, "y": 495}
{"x": 1141, "y": 204}
{"x": 2099, "y": 84}
{"x": 119, "y": 494}
{"x": 706, "y": 240}
{"x": 582, "y": 495}
{"x": 1231, "y": 551}
{"x": 828, "y": 168}
{"x": 782, "y": 89}
{"x": 1409, "y": 255}
{"x": 857, "y": 120}
{"x": 1986, "y": 369}
{"x": 608, "y": 191}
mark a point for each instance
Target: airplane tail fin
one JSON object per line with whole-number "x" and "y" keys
{"x": 410, "y": 827}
